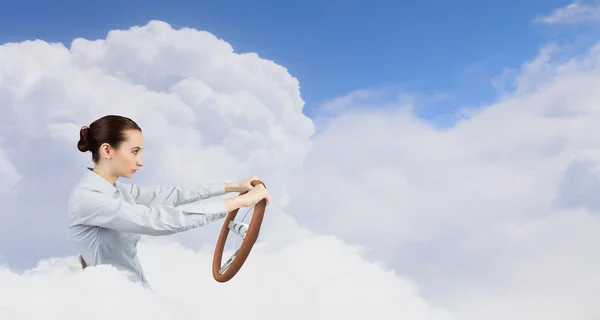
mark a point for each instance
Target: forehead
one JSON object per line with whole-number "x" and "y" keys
{"x": 133, "y": 138}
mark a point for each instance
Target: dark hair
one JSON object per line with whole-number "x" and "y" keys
{"x": 108, "y": 129}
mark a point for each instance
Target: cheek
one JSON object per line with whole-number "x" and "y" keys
{"x": 130, "y": 160}
{"x": 126, "y": 160}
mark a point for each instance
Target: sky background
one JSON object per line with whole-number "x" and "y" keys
{"x": 383, "y": 204}
{"x": 428, "y": 48}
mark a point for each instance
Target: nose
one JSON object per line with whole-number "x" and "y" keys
{"x": 140, "y": 163}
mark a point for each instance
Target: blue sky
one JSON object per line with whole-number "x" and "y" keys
{"x": 423, "y": 47}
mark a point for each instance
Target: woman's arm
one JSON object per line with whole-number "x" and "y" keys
{"x": 177, "y": 195}
{"x": 97, "y": 209}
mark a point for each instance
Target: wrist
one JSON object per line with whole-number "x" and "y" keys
{"x": 232, "y": 187}
{"x": 234, "y": 203}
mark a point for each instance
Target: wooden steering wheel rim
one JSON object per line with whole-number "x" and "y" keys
{"x": 247, "y": 243}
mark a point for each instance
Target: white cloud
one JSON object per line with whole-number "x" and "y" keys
{"x": 301, "y": 281}
{"x": 497, "y": 209}
{"x": 576, "y": 12}
{"x": 207, "y": 114}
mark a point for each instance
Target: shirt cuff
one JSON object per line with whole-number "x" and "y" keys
{"x": 216, "y": 207}
{"x": 216, "y": 189}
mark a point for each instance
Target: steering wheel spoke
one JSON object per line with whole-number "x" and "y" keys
{"x": 228, "y": 262}
{"x": 239, "y": 228}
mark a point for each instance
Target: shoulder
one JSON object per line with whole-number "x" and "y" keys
{"x": 81, "y": 196}
{"x": 86, "y": 198}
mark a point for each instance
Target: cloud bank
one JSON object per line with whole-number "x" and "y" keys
{"x": 208, "y": 114}
{"x": 378, "y": 213}
{"x": 285, "y": 283}
{"x": 495, "y": 217}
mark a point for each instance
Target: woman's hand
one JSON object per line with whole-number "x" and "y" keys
{"x": 242, "y": 186}
{"x": 255, "y": 195}
{"x": 252, "y": 197}
{"x": 249, "y": 199}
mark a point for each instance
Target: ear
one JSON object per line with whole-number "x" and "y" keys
{"x": 106, "y": 151}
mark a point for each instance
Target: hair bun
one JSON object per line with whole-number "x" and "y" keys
{"x": 83, "y": 145}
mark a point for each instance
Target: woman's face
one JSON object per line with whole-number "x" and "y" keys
{"x": 128, "y": 158}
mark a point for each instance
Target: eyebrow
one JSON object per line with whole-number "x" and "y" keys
{"x": 136, "y": 147}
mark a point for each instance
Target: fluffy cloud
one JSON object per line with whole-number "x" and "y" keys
{"x": 207, "y": 114}
{"x": 274, "y": 284}
{"x": 495, "y": 210}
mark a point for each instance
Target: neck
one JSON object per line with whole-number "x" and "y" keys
{"x": 104, "y": 173}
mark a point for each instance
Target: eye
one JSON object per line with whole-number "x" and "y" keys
{"x": 135, "y": 151}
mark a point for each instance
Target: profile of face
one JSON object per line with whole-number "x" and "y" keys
{"x": 125, "y": 160}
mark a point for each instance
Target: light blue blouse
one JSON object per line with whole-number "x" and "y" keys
{"x": 106, "y": 221}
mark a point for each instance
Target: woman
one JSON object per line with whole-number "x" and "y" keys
{"x": 108, "y": 217}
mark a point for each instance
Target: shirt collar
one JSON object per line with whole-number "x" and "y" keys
{"x": 98, "y": 182}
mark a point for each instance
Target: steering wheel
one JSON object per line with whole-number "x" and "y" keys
{"x": 248, "y": 233}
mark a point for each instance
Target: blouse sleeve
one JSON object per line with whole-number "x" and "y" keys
{"x": 98, "y": 209}
{"x": 174, "y": 195}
